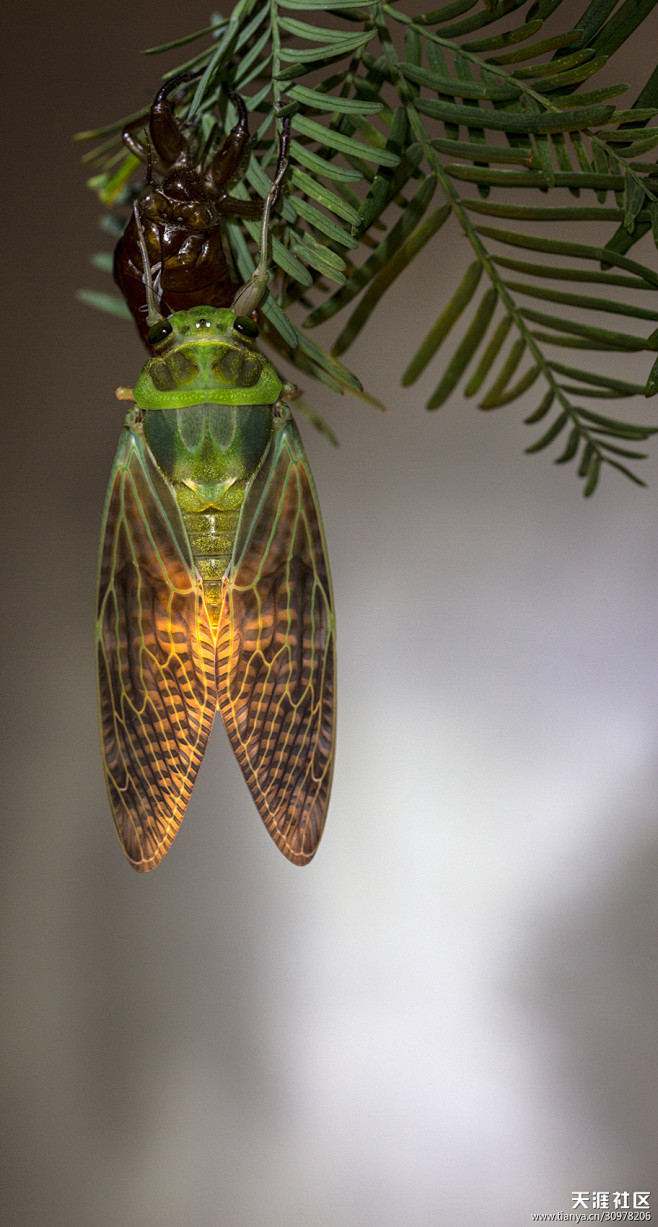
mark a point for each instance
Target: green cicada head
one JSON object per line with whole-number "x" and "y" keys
{"x": 206, "y": 355}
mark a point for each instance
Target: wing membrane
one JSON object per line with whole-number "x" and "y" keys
{"x": 276, "y": 650}
{"x": 156, "y": 669}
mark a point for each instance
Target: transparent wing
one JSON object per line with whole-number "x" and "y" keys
{"x": 156, "y": 675}
{"x": 276, "y": 650}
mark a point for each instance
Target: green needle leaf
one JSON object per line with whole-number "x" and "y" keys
{"x": 561, "y": 247}
{"x": 318, "y": 34}
{"x": 324, "y": 197}
{"x": 584, "y": 302}
{"x": 526, "y": 381}
{"x": 592, "y": 477}
{"x": 542, "y": 410}
{"x": 603, "y": 381}
{"x": 529, "y": 53}
{"x": 504, "y": 121}
{"x": 446, "y": 12}
{"x": 652, "y": 382}
{"x": 489, "y": 356}
{"x": 459, "y": 88}
{"x": 329, "y": 102}
{"x": 465, "y": 349}
{"x": 507, "y": 39}
{"x": 441, "y": 328}
{"x": 319, "y": 166}
{"x": 323, "y": 223}
{"x": 614, "y": 340}
{"x": 392, "y": 251}
{"x": 481, "y": 152}
{"x": 306, "y": 6}
{"x": 392, "y": 269}
{"x": 613, "y": 426}
{"x": 506, "y": 371}
{"x": 343, "y": 144}
{"x": 556, "y": 273}
{"x": 571, "y": 448}
{"x": 328, "y": 51}
{"x": 552, "y": 433}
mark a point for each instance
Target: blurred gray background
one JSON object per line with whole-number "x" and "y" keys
{"x": 449, "y": 1018}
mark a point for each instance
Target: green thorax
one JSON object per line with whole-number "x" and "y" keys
{"x": 205, "y": 359}
{"x": 208, "y": 430}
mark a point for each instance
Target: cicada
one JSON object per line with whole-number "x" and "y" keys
{"x": 180, "y": 217}
{"x": 214, "y": 592}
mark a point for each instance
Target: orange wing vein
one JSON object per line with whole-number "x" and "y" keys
{"x": 276, "y": 651}
{"x": 156, "y": 667}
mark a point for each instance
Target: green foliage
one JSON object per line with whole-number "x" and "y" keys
{"x": 409, "y": 131}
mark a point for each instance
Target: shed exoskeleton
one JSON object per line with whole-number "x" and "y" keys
{"x": 180, "y": 213}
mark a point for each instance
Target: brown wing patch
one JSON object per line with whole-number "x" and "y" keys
{"x": 276, "y": 654}
{"x": 156, "y": 677}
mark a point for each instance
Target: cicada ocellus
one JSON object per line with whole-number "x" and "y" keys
{"x": 213, "y": 593}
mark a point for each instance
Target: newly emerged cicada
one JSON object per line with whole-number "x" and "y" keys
{"x": 178, "y": 215}
{"x": 214, "y": 591}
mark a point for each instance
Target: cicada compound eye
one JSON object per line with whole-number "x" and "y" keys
{"x": 246, "y": 327}
{"x": 159, "y": 332}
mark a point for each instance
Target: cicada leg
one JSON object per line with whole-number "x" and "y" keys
{"x": 251, "y": 293}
